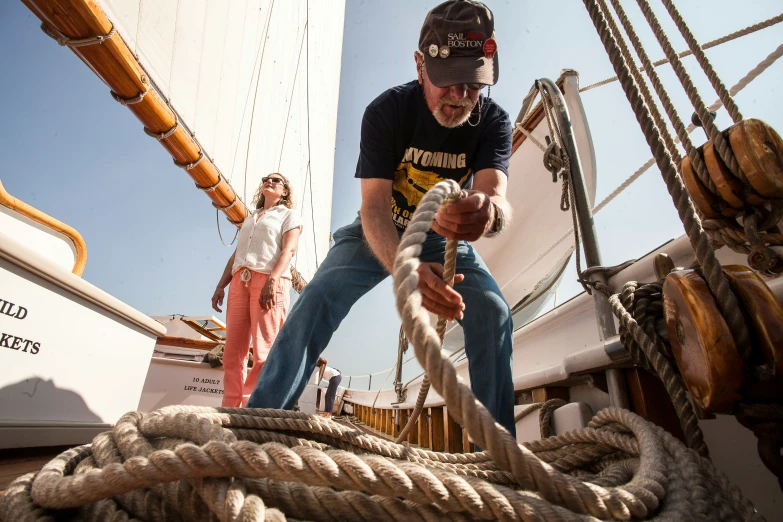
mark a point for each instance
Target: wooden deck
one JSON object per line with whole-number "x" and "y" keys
{"x": 18, "y": 461}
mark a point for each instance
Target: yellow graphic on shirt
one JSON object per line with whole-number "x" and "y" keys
{"x": 408, "y": 187}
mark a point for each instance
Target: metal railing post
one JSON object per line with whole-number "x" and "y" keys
{"x": 618, "y": 395}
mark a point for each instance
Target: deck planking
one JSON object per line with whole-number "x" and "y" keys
{"x": 15, "y": 462}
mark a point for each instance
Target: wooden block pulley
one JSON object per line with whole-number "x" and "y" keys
{"x": 712, "y": 206}
{"x": 702, "y": 343}
{"x": 759, "y": 152}
{"x": 730, "y": 188}
{"x": 765, "y": 316}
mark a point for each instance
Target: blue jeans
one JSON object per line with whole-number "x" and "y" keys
{"x": 349, "y": 271}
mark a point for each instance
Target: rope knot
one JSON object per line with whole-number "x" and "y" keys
{"x": 245, "y": 276}
{"x": 555, "y": 160}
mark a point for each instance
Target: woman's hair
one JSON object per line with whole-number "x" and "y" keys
{"x": 322, "y": 365}
{"x": 286, "y": 201}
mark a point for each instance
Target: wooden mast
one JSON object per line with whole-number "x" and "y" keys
{"x": 116, "y": 65}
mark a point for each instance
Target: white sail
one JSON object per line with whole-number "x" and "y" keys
{"x": 242, "y": 74}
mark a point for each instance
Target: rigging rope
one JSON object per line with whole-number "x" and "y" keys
{"x": 309, "y": 163}
{"x": 382, "y": 385}
{"x": 259, "y": 52}
{"x": 705, "y": 254}
{"x": 255, "y": 97}
{"x": 713, "y": 43}
{"x": 715, "y": 230}
{"x": 709, "y": 71}
{"x": 707, "y": 121}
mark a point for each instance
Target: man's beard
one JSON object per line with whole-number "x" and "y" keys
{"x": 460, "y": 115}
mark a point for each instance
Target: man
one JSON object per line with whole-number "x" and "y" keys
{"x": 413, "y": 136}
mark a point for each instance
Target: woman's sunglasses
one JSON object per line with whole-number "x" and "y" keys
{"x": 275, "y": 181}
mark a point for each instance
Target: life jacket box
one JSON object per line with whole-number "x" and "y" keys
{"x": 172, "y": 381}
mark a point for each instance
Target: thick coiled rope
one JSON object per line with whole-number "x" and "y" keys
{"x": 198, "y": 463}
{"x": 649, "y": 351}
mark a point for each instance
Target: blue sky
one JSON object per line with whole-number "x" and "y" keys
{"x": 73, "y": 152}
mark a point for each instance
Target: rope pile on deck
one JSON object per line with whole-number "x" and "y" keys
{"x": 197, "y": 463}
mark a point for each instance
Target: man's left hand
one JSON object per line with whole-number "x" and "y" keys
{"x": 465, "y": 219}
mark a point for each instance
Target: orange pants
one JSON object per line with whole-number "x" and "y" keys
{"x": 246, "y": 321}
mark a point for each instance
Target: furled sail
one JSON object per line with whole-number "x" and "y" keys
{"x": 257, "y": 81}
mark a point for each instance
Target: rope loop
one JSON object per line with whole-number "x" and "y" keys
{"x": 211, "y": 187}
{"x": 162, "y": 135}
{"x": 74, "y": 43}
{"x": 192, "y": 165}
{"x": 227, "y": 207}
{"x": 129, "y": 101}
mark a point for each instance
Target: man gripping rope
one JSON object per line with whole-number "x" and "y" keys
{"x": 413, "y": 136}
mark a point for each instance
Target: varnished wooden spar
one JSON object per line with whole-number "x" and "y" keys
{"x": 115, "y": 64}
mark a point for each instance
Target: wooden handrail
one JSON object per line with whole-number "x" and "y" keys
{"x": 7, "y": 200}
{"x": 116, "y": 65}
{"x": 204, "y": 331}
{"x": 187, "y": 342}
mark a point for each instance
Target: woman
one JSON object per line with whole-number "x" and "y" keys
{"x": 260, "y": 283}
{"x": 333, "y": 376}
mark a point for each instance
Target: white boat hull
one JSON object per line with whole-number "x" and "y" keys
{"x": 74, "y": 358}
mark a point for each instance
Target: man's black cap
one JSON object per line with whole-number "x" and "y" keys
{"x": 458, "y": 43}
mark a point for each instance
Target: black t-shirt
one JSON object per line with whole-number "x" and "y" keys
{"x": 402, "y": 141}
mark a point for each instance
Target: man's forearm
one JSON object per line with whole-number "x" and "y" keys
{"x": 381, "y": 234}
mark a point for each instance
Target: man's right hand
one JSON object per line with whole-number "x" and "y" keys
{"x": 438, "y": 297}
{"x": 217, "y": 299}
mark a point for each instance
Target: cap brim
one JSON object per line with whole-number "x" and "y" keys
{"x": 454, "y": 70}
